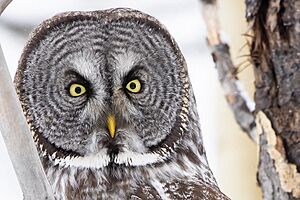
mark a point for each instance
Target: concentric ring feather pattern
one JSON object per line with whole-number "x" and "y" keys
{"x": 109, "y": 102}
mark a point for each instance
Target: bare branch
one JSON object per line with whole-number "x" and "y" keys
{"x": 241, "y": 106}
{"x": 17, "y": 137}
{"x": 209, "y": 13}
{"x": 4, "y": 4}
{"x": 19, "y": 142}
{"x": 238, "y": 101}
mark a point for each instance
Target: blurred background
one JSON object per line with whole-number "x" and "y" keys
{"x": 231, "y": 154}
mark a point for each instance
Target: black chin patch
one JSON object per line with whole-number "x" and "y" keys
{"x": 112, "y": 150}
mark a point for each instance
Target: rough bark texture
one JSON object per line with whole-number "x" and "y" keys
{"x": 275, "y": 53}
{"x": 240, "y": 104}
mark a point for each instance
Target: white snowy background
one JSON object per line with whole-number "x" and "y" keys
{"x": 183, "y": 20}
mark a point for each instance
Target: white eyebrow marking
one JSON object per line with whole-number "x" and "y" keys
{"x": 123, "y": 63}
{"x": 85, "y": 63}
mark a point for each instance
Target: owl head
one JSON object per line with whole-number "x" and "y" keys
{"x": 104, "y": 87}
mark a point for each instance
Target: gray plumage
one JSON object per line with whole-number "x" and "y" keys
{"x": 157, "y": 151}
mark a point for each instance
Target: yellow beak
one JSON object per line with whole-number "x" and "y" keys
{"x": 111, "y": 125}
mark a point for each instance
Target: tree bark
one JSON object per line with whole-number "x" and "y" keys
{"x": 275, "y": 53}
{"x": 238, "y": 101}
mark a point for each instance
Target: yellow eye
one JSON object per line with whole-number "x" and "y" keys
{"x": 77, "y": 90}
{"x": 134, "y": 86}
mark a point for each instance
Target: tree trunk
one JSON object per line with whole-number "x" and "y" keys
{"x": 275, "y": 53}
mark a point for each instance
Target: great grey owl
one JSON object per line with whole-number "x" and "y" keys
{"x": 109, "y": 103}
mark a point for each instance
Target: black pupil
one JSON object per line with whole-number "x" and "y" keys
{"x": 132, "y": 86}
{"x": 78, "y": 90}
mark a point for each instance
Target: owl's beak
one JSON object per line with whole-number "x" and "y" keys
{"x": 111, "y": 125}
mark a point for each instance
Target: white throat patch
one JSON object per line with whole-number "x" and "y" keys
{"x": 102, "y": 159}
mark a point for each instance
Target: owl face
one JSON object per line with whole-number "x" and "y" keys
{"x": 103, "y": 87}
